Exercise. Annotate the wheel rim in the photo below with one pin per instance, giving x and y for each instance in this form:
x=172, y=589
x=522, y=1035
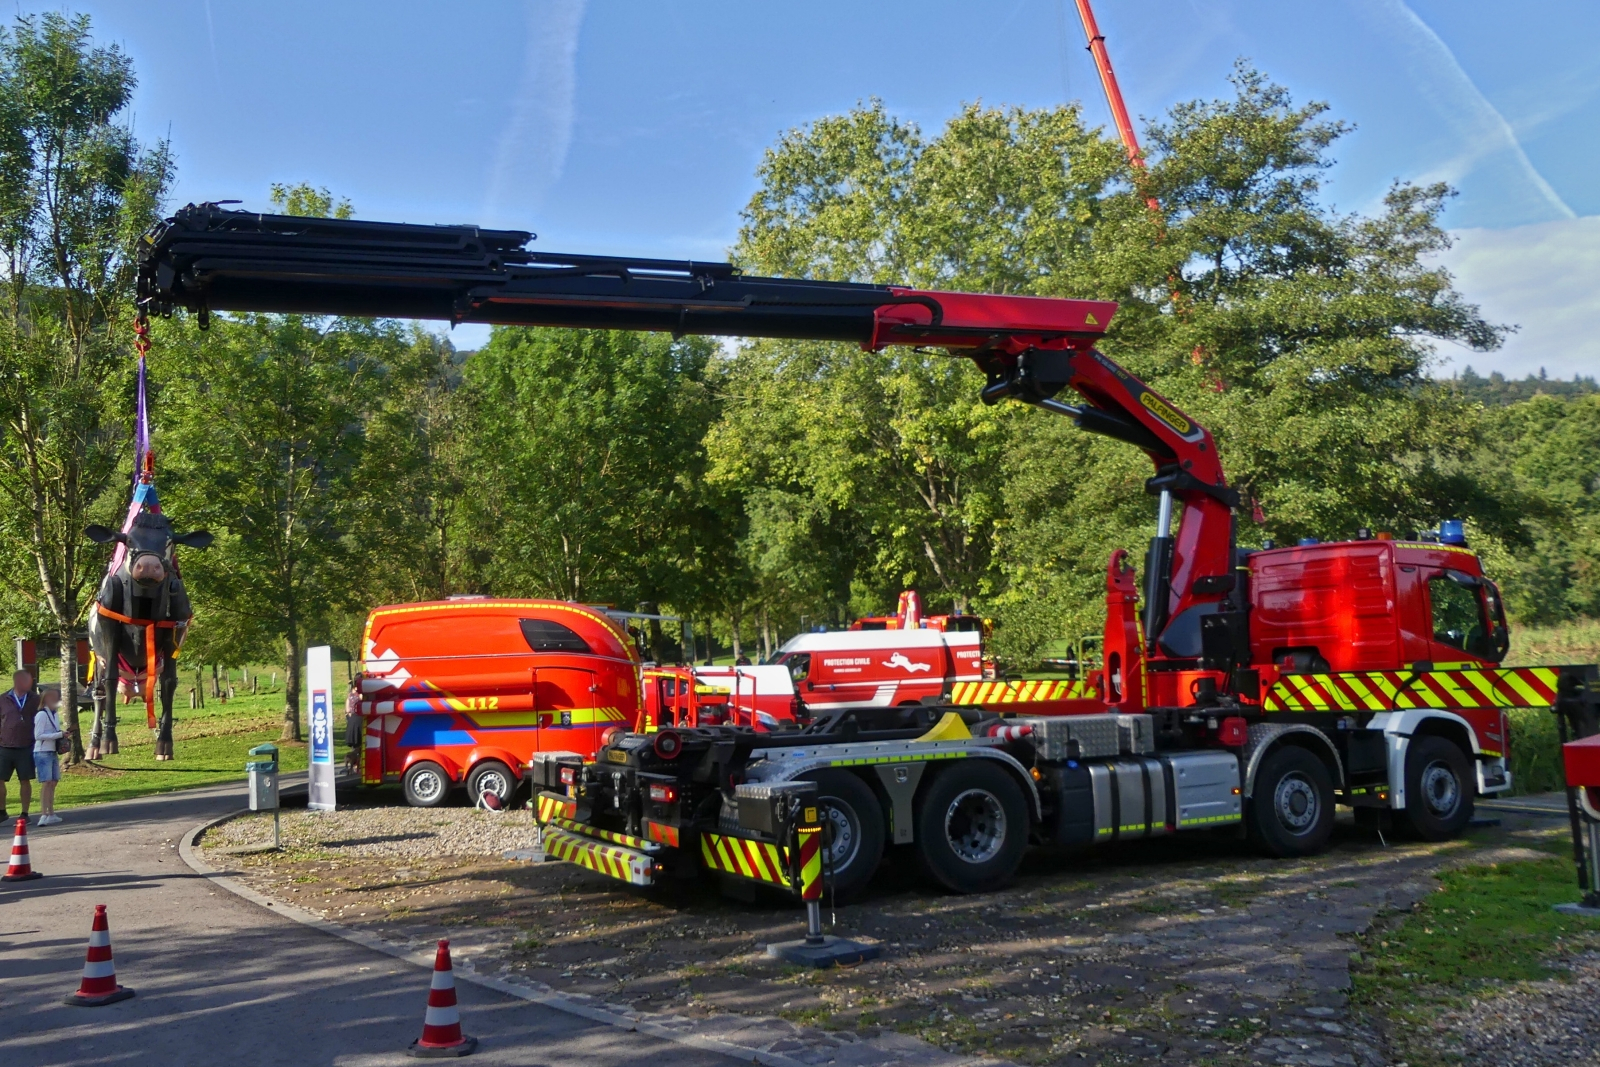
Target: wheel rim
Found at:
x=1295, y=801
x=843, y=838
x=494, y=782
x=975, y=825
x=427, y=785
x=1441, y=791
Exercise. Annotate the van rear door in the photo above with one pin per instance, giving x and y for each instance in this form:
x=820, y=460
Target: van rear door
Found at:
x=565, y=699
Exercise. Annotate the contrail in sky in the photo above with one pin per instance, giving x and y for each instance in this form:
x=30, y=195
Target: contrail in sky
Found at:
x=1461, y=100
x=533, y=149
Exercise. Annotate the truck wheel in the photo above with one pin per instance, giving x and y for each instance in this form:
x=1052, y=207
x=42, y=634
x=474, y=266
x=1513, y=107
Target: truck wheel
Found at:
x=972, y=827
x=426, y=784
x=1291, y=806
x=494, y=777
x=852, y=830
x=1439, y=788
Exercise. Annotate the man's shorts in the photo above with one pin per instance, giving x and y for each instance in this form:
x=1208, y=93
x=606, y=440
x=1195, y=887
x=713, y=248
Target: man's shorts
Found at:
x=47, y=765
x=18, y=761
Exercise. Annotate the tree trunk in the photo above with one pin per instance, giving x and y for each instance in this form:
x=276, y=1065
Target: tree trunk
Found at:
x=766, y=635
x=291, y=688
x=216, y=683
x=69, y=695
x=737, y=620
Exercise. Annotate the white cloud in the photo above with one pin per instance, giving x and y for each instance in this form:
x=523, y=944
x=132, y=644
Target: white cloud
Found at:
x=1541, y=278
x=533, y=149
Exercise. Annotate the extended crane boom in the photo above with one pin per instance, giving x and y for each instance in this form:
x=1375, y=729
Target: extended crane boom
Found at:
x=208, y=258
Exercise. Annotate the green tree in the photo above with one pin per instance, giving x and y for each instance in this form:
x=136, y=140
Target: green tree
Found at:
x=1546, y=449
x=587, y=467
x=76, y=191
x=887, y=460
x=264, y=435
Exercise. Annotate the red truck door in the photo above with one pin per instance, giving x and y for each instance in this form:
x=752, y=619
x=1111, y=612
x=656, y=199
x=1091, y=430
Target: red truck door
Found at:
x=564, y=697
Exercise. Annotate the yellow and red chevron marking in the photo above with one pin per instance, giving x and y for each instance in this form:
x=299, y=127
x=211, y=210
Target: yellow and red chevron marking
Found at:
x=810, y=863
x=552, y=806
x=1023, y=692
x=615, y=838
x=661, y=833
x=1496, y=687
x=609, y=860
x=756, y=860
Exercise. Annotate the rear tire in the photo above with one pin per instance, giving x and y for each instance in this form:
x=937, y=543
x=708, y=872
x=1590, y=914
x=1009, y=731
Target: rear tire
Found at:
x=852, y=829
x=426, y=784
x=1439, y=788
x=972, y=827
x=496, y=778
x=1291, y=805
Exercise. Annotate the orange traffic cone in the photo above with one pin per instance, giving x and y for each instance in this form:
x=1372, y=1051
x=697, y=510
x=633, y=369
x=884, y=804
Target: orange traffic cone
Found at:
x=20, y=870
x=441, y=1026
x=99, y=985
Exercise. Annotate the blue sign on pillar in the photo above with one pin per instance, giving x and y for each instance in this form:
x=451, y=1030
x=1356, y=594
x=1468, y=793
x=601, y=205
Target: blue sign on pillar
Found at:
x=319, y=724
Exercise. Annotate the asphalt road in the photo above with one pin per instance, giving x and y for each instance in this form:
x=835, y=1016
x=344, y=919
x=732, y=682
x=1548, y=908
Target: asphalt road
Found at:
x=223, y=981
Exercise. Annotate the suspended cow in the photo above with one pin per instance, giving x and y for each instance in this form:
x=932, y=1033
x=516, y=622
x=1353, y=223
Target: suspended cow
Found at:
x=139, y=619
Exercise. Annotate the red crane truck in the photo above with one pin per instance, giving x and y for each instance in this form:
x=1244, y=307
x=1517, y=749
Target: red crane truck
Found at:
x=1252, y=690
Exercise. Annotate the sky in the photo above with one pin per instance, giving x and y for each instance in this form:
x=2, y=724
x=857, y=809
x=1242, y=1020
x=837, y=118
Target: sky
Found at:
x=631, y=128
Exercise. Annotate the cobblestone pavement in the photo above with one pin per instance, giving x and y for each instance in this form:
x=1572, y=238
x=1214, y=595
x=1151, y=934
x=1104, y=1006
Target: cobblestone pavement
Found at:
x=1170, y=952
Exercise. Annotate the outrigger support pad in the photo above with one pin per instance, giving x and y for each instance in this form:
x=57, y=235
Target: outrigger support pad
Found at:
x=818, y=949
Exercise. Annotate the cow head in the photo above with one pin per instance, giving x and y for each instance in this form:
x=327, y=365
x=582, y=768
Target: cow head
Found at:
x=150, y=542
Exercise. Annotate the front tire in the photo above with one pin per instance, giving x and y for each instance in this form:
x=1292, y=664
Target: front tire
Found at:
x=1439, y=788
x=492, y=776
x=426, y=784
x=852, y=828
x=1291, y=805
x=972, y=827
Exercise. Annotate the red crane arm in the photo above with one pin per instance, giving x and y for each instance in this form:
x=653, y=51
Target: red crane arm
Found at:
x=209, y=258
x=1108, y=82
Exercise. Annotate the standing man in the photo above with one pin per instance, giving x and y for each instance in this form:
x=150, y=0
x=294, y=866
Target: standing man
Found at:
x=17, y=709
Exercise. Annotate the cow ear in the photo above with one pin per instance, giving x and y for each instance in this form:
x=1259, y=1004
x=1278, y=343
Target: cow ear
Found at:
x=195, y=539
x=102, y=534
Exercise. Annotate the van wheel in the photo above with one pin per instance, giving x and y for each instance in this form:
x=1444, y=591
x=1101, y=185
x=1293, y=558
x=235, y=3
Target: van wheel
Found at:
x=1291, y=805
x=494, y=777
x=972, y=827
x=426, y=784
x=1439, y=788
x=852, y=830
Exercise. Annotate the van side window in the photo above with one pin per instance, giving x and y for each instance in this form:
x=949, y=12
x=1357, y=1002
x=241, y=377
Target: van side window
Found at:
x=799, y=664
x=543, y=635
x=1458, y=616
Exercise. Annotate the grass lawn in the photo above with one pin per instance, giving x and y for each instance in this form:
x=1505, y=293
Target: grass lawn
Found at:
x=1489, y=926
x=211, y=745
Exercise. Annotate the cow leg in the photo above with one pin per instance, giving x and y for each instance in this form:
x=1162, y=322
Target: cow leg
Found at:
x=104, y=741
x=169, y=685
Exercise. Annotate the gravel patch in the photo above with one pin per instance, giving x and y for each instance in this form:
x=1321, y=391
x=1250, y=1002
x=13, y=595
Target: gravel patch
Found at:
x=383, y=832
x=1553, y=1023
x=1185, y=951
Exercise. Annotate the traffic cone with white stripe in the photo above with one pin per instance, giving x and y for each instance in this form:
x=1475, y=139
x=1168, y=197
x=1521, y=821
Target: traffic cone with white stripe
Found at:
x=441, y=1026
x=99, y=985
x=20, y=870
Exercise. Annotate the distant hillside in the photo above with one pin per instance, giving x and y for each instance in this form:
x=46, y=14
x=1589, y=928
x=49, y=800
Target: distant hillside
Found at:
x=1498, y=390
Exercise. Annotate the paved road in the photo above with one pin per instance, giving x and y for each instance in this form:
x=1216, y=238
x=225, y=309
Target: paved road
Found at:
x=222, y=981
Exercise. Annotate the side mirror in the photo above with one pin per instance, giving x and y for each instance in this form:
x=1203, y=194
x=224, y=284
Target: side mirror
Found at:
x=195, y=539
x=102, y=534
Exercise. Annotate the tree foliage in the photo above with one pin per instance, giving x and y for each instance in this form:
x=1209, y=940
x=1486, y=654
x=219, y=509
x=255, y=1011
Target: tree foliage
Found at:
x=76, y=190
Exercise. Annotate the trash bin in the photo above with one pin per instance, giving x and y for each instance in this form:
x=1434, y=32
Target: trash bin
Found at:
x=263, y=773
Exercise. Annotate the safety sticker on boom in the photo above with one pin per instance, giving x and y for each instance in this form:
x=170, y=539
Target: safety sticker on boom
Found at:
x=1024, y=692
x=1513, y=687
